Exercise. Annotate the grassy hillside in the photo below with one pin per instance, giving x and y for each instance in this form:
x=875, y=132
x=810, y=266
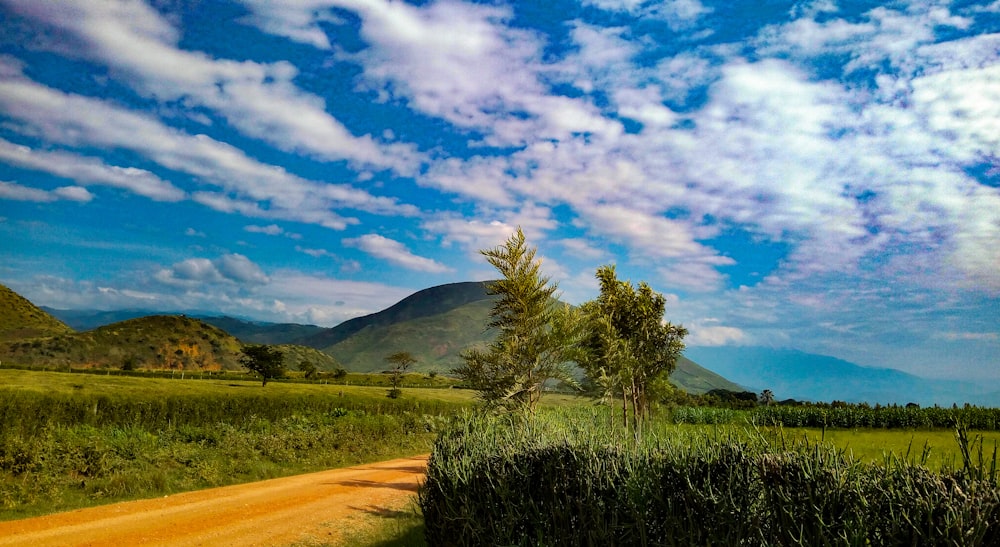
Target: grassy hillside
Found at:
x=435, y=340
x=696, y=379
x=426, y=303
x=252, y=332
x=159, y=341
x=19, y=318
x=294, y=355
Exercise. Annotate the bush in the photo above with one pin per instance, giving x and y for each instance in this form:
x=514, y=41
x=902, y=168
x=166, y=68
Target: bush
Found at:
x=570, y=480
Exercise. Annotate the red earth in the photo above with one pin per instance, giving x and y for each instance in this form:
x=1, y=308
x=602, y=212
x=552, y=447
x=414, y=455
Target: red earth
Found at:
x=315, y=509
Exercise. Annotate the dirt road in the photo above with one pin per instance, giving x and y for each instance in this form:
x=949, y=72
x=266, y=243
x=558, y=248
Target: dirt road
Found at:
x=318, y=508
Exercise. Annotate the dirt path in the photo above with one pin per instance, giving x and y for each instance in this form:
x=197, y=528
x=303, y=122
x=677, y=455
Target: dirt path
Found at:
x=306, y=509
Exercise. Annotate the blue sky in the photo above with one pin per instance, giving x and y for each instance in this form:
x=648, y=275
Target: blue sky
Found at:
x=815, y=175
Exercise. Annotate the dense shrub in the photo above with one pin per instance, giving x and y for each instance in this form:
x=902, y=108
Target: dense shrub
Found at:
x=570, y=480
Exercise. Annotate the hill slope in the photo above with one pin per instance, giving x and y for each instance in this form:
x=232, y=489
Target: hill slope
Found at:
x=253, y=332
x=436, y=324
x=19, y=318
x=159, y=341
x=426, y=303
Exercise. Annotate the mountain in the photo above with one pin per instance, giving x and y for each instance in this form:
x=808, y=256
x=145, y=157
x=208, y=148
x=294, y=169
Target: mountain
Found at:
x=426, y=303
x=250, y=332
x=805, y=376
x=254, y=332
x=158, y=341
x=82, y=320
x=19, y=318
x=436, y=324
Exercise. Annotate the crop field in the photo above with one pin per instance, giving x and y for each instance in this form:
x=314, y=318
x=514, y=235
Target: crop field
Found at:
x=591, y=484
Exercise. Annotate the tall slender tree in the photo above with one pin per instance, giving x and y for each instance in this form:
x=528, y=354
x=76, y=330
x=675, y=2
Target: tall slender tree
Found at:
x=628, y=349
x=534, y=333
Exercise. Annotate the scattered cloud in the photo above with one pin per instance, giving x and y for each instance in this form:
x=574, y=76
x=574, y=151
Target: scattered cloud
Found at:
x=17, y=192
x=394, y=252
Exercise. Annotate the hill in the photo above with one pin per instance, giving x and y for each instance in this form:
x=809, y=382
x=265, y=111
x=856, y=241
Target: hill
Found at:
x=255, y=332
x=794, y=374
x=426, y=303
x=19, y=318
x=159, y=341
x=436, y=324
x=82, y=320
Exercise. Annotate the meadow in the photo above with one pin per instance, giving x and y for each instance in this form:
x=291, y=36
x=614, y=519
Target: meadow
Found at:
x=70, y=440
x=73, y=440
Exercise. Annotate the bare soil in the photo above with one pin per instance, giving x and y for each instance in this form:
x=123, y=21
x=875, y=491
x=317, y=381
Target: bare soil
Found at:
x=317, y=508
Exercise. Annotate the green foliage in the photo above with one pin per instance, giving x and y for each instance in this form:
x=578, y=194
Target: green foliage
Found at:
x=846, y=416
x=561, y=480
x=400, y=361
x=68, y=441
x=533, y=333
x=628, y=349
x=20, y=319
x=158, y=342
x=264, y=360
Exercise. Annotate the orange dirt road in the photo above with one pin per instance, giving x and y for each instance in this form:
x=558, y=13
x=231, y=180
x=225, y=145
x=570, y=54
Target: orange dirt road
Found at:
x=318, y=508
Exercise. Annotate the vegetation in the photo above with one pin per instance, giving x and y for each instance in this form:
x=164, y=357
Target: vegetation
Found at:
x=19, y=318
x=71, y=440
x=561, y=480
x=533, y=334
x=159, y=341
x=265, y=361
x=628, y=349
x=400, y=361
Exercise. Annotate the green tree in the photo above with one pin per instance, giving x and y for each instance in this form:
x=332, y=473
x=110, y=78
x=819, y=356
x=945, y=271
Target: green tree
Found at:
x=263, y=360
x=310, y=371
x=401, y=360
x=628, y=349
x=534, y=334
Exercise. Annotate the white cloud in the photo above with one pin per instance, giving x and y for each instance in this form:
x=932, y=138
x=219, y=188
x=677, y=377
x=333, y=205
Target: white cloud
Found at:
x=259, y=99
x=17, y=192
x=81, y=121
x=394, y=252
x=90, y=170
x=714, y=335
x=271, y=229
x=197, y=272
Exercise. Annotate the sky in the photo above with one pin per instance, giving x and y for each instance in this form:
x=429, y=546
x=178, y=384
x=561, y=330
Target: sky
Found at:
x=817, y=175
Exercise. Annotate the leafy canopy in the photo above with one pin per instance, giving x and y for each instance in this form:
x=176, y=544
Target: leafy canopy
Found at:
x=628, y=348
x=264, y=360
x=534, y=332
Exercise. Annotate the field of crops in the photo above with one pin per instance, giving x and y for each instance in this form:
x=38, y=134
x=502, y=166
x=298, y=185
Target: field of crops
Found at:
x=71, y=440
x=568, y=478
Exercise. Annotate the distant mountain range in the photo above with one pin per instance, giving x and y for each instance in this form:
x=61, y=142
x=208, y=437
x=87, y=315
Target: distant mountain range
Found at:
x=805, y=376
x=434, y=325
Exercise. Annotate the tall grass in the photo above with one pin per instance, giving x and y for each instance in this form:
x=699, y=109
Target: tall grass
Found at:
x=566, y=479
x=849, y=416
x=65, y=444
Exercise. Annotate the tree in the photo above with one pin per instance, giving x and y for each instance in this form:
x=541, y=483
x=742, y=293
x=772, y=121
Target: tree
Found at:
x=534, y=334
x=767, y=397
x=264, y=360
x=401, y=360
x=628, y=349
x=310, y=371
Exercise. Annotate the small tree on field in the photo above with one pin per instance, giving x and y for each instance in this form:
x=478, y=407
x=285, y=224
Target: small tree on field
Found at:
x=401, y=360
x=534, y=338
x=263, y=360
x=309, y=370
x=628, y=349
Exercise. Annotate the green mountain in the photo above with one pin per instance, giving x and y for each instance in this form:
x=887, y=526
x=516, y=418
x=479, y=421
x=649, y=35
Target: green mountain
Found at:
x=426, y=303
x=436, y=324
x=254, y=332
x=158, y=341
x=19, y=318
